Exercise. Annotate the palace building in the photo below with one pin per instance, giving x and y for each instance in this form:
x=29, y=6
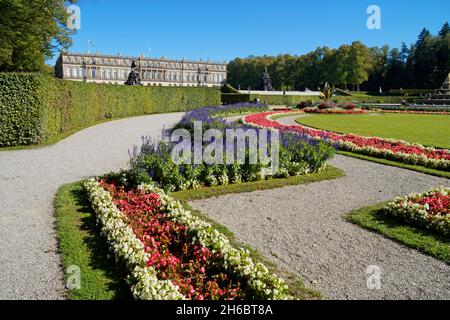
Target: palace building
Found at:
x=164, y=72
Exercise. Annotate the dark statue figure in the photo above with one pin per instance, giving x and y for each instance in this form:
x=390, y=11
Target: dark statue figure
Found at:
x=133, y=77
x=267, y=82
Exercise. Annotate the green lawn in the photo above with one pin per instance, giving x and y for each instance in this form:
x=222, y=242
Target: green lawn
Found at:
x=425, y=241
x=80, y=242
x=428, y=130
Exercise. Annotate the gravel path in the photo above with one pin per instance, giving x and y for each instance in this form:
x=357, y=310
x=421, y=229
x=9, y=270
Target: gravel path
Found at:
x=302, y=228
x=29, y=260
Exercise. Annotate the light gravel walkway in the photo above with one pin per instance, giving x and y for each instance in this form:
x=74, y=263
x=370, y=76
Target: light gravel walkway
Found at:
x=302, y=228
x=29, y=261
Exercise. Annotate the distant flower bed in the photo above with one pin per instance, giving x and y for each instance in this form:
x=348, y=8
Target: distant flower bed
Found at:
x=213, y=116
x=334, y=111
x=171, y=254
x=429, y=210
x=373, y=146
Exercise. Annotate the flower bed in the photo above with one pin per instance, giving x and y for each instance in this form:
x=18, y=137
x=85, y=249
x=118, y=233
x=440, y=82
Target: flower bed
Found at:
x=373, y=146
x=334, y=111
x=153, y=163
x=429, y=210
x=171, y=254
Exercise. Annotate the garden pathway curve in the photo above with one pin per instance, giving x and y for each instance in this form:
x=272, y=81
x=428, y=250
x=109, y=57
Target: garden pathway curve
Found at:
x=29, y=259
x=302, y=228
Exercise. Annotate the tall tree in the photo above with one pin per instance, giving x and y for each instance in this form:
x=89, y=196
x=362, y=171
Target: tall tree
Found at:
x=442, y=49
x=361, y=65
x=424, y=59
x=445, y=30
x=30, y=33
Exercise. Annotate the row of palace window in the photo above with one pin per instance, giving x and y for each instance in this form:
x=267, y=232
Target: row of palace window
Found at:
x=73, y=72
x=154, y=64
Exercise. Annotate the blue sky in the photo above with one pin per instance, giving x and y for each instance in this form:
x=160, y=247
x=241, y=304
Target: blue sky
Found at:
x=225, y=29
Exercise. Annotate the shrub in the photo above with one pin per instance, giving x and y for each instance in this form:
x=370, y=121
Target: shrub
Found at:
x=35, y=108
x=347, y=106
x=304, y=104
x=327, y=105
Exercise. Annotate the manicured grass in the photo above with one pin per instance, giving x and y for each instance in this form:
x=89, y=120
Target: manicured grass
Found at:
x=433, y=172
x=422, y=240
x=425, y=129
x=80, y=242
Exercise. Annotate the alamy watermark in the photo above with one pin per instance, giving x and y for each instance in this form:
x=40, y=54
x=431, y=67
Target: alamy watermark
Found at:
x=74, y=278
x=230, y=146
x=374, y=19
x=74, y=17
x=374, y=274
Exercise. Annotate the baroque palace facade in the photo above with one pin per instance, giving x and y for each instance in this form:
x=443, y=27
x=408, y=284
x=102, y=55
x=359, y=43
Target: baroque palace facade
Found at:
x=115, y=69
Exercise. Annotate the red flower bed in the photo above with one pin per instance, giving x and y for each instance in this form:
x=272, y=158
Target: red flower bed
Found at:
x=196, y=270
x=335, y=111
x=438, y=203
x=261, y=120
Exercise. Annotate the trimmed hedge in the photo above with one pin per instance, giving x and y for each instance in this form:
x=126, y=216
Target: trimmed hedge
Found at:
x=233, y=98
x=35, y=107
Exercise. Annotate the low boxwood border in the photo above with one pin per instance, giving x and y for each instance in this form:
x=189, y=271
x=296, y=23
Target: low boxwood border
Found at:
x=427, y=242
x=80, y=242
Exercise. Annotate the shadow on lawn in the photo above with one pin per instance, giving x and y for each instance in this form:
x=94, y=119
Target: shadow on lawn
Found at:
x=100, y=257
x=392, y=222
x=428, y=242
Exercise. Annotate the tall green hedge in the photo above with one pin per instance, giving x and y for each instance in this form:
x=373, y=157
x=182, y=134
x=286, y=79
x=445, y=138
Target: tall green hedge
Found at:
x=35, y=108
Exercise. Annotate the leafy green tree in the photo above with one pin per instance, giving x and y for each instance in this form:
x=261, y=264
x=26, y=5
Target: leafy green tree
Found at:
x=361, y=64
x=424, y=64
x=31, y=31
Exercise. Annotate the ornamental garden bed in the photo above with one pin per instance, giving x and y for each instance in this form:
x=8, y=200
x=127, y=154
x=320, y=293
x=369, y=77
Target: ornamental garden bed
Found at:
x=82, y=244
x=171, y=254
x=167, y=252
x=420, y=221
x=389, y=149
x=429, y=210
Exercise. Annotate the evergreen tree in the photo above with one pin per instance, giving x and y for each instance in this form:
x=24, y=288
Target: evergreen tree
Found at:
x=445, y=30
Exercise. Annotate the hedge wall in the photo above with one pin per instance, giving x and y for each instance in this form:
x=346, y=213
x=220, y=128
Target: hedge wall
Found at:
x=35, y=108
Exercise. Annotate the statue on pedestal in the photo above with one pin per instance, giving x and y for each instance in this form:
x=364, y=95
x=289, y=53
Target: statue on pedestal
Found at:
x=133, y=77
x=267, y=82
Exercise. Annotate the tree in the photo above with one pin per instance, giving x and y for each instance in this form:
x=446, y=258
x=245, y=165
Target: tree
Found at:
x=395, y=70
x=361, y=64
x=424, y=64
x=31, y=31
x=442, y=50
x=445, y=30
x=424, y=59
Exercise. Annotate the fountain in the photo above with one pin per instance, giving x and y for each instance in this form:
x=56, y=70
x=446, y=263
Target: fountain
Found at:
x=437, y=98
